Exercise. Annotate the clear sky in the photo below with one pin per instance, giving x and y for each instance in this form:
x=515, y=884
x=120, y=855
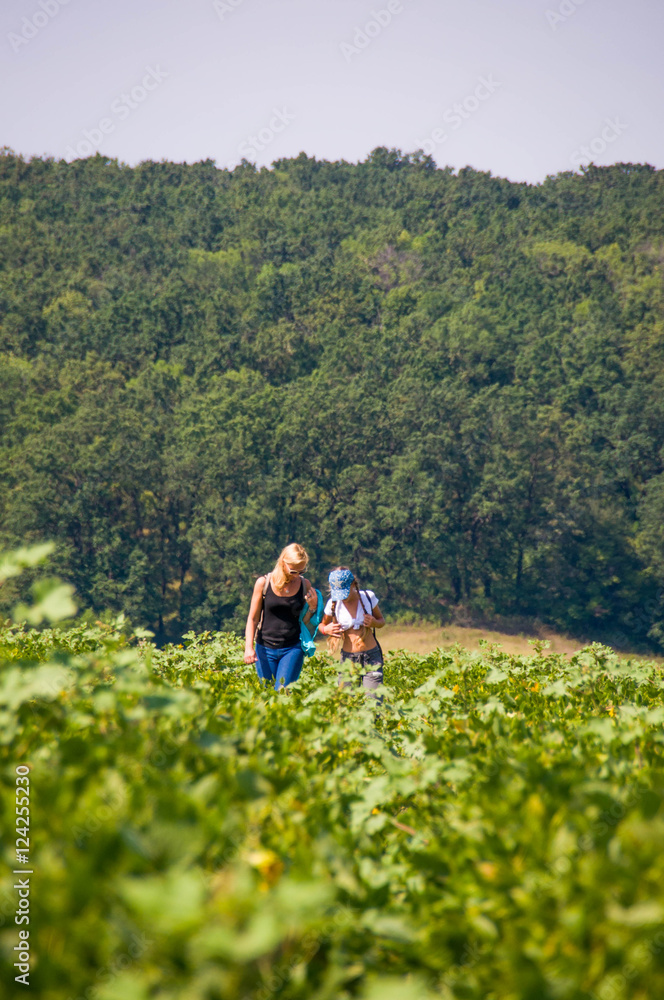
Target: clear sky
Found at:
x=523, y=88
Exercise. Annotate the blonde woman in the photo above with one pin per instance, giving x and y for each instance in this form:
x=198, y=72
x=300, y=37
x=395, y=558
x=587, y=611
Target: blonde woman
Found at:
x=353, y=613
x=273, y=623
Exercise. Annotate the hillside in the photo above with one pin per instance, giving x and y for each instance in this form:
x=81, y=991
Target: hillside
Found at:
x=450, y=381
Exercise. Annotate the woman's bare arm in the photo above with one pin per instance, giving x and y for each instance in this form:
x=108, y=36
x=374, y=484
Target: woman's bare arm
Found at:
x=311, y=598
x=330, y=627
x=253, y=619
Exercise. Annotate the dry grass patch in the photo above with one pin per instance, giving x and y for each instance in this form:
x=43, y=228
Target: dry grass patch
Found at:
x=424, y=639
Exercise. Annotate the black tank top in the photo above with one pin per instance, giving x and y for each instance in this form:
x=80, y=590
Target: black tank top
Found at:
x=281, y=619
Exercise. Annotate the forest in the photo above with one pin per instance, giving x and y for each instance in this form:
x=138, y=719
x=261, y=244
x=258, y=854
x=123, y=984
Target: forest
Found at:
x=452, y=382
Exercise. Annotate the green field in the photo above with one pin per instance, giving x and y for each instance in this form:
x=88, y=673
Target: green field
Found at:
x=492, y=830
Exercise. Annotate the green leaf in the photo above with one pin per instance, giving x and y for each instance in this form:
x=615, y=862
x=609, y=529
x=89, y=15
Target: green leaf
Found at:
x=558, y=689
x=388, y=926
x=43, y=683
x=54, y=601
x=13, y=563
x=603, y=728
x=130, y=985
x=169, y=902
x=496, y=675
x=645, y=914
x=397, y=988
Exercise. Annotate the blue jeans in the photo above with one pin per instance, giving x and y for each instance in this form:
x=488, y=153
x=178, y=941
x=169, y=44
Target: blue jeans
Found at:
x=283, y=666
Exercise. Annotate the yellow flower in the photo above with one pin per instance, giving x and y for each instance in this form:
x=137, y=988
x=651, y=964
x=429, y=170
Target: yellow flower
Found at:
x=267, y=863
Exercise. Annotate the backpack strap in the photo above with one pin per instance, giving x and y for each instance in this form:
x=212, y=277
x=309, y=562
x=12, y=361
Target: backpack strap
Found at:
x=265, y=586
x=365, y=610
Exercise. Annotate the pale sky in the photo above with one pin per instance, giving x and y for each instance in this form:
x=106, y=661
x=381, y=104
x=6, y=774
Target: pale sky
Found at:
x=522, y=88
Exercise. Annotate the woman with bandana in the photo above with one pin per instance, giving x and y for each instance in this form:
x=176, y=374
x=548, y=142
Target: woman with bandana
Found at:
x=352, y=614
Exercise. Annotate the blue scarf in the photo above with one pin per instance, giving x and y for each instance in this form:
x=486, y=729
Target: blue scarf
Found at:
x=308, y=631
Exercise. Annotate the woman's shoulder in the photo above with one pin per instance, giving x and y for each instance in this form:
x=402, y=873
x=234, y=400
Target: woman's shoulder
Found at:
x=371, y=596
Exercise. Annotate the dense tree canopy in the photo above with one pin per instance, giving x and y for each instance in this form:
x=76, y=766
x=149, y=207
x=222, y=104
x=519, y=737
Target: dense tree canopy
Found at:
x=452, y=382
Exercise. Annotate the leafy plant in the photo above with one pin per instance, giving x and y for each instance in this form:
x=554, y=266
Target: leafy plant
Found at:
x=491, y=829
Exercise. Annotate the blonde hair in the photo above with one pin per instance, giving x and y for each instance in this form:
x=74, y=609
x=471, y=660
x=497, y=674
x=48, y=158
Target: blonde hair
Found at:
x=293, y=553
